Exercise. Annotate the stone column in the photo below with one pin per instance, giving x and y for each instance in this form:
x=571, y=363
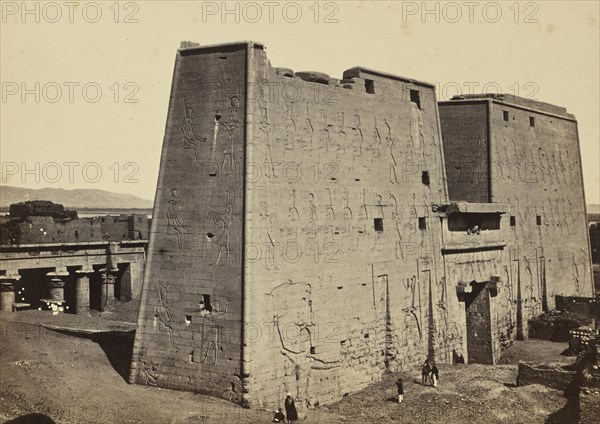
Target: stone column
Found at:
x=107, y=288
x=7, y=292
x=56, y=289
x=56, y=285
x=82, y=291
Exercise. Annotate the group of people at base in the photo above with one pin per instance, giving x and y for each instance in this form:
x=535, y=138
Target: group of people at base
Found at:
x=291, y=414
x=429, y=375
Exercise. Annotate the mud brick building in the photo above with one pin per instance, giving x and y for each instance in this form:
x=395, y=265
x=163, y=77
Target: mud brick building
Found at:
x=307, y=233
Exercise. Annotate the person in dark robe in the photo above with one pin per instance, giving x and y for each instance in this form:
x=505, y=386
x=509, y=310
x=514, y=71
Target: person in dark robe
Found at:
x=290, y=409
x=425, y=372
x=279, y=417
x=400, y=387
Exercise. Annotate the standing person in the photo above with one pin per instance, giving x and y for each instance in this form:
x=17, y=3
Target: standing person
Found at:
x=290, y=409
x=425, y=372
x=400, y=390
x=435, y=375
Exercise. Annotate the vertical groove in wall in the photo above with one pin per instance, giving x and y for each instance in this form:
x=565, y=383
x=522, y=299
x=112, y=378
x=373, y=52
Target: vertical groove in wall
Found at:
x=489, y=150
x=247, y=134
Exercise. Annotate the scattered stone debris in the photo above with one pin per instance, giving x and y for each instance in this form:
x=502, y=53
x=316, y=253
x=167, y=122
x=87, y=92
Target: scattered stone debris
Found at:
x=556, y=325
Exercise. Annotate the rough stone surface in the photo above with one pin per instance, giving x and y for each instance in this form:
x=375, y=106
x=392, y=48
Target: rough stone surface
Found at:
x=526, y=155
x=554, y=375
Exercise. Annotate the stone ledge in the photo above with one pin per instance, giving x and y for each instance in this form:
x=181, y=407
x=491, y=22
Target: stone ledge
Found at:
x=550, y=374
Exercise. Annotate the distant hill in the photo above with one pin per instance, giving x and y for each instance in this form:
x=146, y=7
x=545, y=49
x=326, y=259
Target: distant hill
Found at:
x=74, y=199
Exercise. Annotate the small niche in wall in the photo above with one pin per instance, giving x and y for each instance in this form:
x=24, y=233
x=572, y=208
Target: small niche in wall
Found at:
x=505, y=115
x=415, y=97
x=538, y=220
x=205, y=303
x=513, y=221
x=532, y=121
x=366, y=335
x=313, y=350
x=370, y=86
x=188, y=319
x=422, y=223
x=425, y=177
x=378, y=224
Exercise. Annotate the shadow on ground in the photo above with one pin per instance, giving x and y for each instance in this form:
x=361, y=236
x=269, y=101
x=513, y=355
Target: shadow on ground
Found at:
x=117, y=345
x=570, y=412
x=32, y=419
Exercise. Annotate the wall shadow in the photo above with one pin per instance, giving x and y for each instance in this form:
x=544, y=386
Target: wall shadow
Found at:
x=117, y=345
x=569, y=414
x=32, y=419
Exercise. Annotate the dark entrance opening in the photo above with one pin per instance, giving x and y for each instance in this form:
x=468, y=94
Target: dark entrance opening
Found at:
x=480, y=343
x=123, y=283
x=33, y=286
x=96, y=287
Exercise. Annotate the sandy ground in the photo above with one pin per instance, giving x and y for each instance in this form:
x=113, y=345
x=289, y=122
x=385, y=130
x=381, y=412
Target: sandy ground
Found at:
x=80, y=377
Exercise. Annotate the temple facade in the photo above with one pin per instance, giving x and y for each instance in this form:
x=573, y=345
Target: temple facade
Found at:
x=310, y=233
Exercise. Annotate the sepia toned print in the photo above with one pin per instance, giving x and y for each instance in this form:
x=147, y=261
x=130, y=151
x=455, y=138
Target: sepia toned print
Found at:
x=289, y=211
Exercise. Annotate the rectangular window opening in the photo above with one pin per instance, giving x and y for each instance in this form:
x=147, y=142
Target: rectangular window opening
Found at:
x=370, y=86
x=505, y=115
x=422, y=223
x=415, y=97
x=313, y=350
x=513, y=221
x=531, y=121
x=205, y=303
x=378, y=224
x=538, y=220
x=425, y=177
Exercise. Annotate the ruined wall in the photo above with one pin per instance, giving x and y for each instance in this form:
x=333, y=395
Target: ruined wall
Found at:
x=338, y=272
x=189, y=327
x=46, y=229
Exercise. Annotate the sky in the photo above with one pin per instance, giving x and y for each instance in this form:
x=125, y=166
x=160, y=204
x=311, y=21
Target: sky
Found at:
x=85, y=85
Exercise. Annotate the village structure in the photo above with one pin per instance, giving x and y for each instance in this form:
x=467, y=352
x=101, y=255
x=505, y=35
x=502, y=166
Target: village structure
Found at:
x=310, y=233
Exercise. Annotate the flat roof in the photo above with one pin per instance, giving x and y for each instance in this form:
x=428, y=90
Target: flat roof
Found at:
x=355, y=71
x=189, y=47
x=512, y=101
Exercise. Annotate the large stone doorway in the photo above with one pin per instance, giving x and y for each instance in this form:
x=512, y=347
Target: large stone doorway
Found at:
x=482, y=346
